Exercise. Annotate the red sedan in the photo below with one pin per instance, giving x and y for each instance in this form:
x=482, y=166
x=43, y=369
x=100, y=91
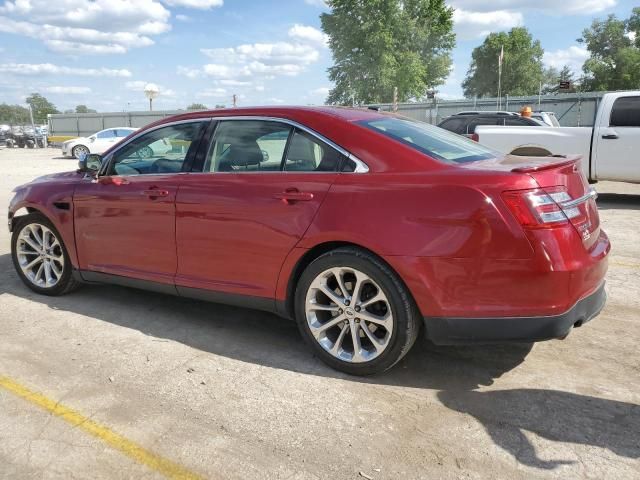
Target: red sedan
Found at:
x=361, y=226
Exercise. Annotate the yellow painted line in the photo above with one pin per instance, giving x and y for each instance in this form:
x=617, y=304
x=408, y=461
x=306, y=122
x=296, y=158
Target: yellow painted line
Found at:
x=624, y=264
x=108, y=436
x=59, y=138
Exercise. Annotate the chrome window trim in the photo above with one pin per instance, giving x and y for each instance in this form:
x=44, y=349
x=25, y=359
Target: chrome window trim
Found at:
x=361, y=167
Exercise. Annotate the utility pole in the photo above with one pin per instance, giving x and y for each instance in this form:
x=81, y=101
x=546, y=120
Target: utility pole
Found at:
x=33, y=127
x=395, y=99
x=235, y=100
x=500, y=60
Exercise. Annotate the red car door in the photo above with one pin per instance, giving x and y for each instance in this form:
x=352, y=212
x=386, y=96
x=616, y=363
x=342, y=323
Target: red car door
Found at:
x=125, y=221
x=238, y=219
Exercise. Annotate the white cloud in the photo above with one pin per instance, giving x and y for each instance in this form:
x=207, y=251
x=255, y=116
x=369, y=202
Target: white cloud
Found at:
x=320, y=92
x=183, y=18
x=263, y=61
x=213, y=93
x=200, y=4
x=274, y=100
x=235, y=83
x=316, y=3
x=584, y=7
x=189, y=72
x=469, y=24
x=307, y=34
x=574, y=57
x=84, y=26
x=50, y=69
x=68, y=90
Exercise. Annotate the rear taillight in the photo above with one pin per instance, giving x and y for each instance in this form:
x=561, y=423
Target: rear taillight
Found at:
x=538, y=208
x=475, y=137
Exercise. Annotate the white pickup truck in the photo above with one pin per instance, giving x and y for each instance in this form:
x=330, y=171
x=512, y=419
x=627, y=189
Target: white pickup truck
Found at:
x=610, y=150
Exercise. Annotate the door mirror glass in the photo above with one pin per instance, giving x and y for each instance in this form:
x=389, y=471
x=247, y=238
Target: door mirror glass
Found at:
x=90, y=163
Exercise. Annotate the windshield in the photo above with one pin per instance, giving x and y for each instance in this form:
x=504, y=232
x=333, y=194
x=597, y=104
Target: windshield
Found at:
x=433, y=141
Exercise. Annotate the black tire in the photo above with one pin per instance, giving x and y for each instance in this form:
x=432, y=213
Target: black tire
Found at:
x=407, y=318
x=67, y=283
x=74, y=150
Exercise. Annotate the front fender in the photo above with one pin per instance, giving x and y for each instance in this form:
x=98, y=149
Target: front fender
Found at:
x=55, y=204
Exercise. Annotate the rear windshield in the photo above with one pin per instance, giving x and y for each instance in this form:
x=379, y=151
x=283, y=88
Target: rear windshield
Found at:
x=434, y=141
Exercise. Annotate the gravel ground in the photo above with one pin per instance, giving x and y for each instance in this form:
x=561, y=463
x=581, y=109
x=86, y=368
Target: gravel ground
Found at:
x=233, y=393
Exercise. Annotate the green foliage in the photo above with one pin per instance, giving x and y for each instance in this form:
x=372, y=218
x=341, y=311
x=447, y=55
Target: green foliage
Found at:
x=197, y=106
x=522, y=69
x=381, y=44
x=614, y=63
x=41, y=107
x=551, y=79
x=84, y=109
x=14, y=114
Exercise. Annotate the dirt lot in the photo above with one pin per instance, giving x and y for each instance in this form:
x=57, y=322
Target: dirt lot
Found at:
x=231, y=393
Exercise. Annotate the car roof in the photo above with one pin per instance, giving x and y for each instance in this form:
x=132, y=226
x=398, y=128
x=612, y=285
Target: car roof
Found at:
x=349, y=114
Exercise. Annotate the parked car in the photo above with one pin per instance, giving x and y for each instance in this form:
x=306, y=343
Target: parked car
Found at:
x=465, y=123
x=609, y=149
x=361, y=226
x=548, y=118
x=98, y=143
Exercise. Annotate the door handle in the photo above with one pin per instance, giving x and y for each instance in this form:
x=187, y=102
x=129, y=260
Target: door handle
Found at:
x=610, y=136
x=155, y=193
x=292, y=196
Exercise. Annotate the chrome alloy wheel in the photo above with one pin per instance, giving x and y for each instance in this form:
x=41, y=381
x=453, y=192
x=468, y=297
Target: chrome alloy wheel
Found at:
x=40, y=255
x=349, y=315
x=79, y=150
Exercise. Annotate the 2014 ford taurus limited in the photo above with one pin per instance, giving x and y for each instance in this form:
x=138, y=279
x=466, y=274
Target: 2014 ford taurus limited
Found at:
x=361, y=226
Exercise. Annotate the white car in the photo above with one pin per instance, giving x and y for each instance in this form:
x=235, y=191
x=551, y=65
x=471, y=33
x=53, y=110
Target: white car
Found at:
x=97, y=143
x=101, y=141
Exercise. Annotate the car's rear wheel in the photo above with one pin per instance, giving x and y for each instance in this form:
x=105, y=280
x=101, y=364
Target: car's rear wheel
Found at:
x=355, y=312
x=79, y=150
x=40, y=257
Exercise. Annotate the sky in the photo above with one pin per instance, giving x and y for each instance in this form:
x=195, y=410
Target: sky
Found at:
x=102, y=53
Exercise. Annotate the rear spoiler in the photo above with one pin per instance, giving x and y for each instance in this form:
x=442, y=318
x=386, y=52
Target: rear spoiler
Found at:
x=537, y=164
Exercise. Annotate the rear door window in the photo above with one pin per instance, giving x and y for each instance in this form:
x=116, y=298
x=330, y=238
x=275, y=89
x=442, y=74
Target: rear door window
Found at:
x=432, y=141
x=625, y=112
x=242, y=146
x=454, y=124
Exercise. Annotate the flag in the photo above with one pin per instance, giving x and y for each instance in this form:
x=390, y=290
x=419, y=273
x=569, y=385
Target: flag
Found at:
x=501, y=57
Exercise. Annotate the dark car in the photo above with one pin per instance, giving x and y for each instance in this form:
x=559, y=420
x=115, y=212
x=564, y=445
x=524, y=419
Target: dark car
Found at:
x=465, y=123
x=359, y=225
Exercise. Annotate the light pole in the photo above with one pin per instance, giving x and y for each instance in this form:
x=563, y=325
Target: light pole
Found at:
x=151, y=91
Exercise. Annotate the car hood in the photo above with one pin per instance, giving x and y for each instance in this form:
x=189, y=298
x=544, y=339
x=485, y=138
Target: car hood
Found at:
x=76, y=140
x=54, y=178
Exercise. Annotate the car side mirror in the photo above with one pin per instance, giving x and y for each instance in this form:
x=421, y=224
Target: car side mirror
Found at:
x=89, y=163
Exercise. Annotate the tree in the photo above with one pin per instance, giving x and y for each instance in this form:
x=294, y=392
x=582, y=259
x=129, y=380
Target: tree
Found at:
x=14, y=114
x=84, y=109
x=522, y=69
x=197, y=106
x=41, y=107
x=614, y=46
x=551, y=79
x=378, y=45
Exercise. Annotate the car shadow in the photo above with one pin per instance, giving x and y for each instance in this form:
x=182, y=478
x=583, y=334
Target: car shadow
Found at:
x=456, y=373
x=618, y=201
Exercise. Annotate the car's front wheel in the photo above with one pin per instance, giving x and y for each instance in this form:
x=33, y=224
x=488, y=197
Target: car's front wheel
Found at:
x=79, y=150
x=355, y=312
x=40, y=257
